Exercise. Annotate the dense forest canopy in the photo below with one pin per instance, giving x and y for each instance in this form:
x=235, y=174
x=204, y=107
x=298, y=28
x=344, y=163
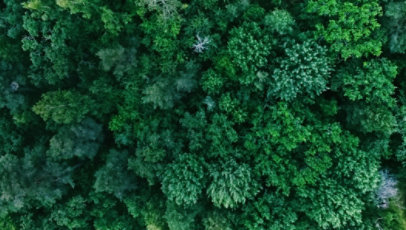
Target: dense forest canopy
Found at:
x=202, y=114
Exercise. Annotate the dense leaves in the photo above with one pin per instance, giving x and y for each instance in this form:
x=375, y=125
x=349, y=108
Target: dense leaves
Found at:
x=304, y=71
x=184, y=180
x=352, y=27
x=62, y=107
x=202, y=114
x=395, y=23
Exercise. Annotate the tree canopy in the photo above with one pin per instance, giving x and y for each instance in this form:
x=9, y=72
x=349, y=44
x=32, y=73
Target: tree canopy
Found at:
x=202, y=114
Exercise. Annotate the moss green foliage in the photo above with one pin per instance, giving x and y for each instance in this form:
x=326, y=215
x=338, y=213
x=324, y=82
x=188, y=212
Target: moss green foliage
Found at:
x=202, y=114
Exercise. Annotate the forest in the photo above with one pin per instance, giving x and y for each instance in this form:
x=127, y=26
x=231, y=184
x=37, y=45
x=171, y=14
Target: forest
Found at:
x=203, y=115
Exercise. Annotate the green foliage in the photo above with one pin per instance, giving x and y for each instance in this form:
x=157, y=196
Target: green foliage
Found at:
x=52, y=40
x=183, y=181
x=222, y=135
x=393, y=217
x=80, y=140
x=395, y=23
x=63, y=107
x=160, y=95
x=76, y=6
x=212, y=81
x=6, y=224
x=352, y=26
x=370, y=86
x=117, y=59
x=31, y=180
x=166, y=9
x=232, y=107
x=108, y=214
x=275, y=141
x=201, y=114
x=370, y=81
x=232, y=184
x=249, y=48
x=304, y=70
x=334, y=206
x=10, y=139
x=370, y=118
x=270, y=211
x=401, y=148
x=114, y=22
x=12, y=85
x=165, y=91
x=337, y=203
x=177, y=218
x=279, y=21
x=111, y=178
x=216, y=221
x=72, y=214
x=194, y=127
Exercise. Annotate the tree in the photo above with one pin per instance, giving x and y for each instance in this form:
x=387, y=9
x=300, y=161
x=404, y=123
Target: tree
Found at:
x=270, y=211
x=370, y=81
x=370, y=86
x=232, y=184
x=216, y=221
x=72, y=214
x=109, y=214
x=31, y=181
x=352, y=28
x=249, y=48
x=6, y=224
x=117, y=59
x=63, y=106
x=279, y=21
x=304, y=71
x=183, y=181
x=179, y=218
x=340, y=207
x=10, y=138
x=395, y=23
x=202, y=114
x=79, y=140
x=111, y=179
